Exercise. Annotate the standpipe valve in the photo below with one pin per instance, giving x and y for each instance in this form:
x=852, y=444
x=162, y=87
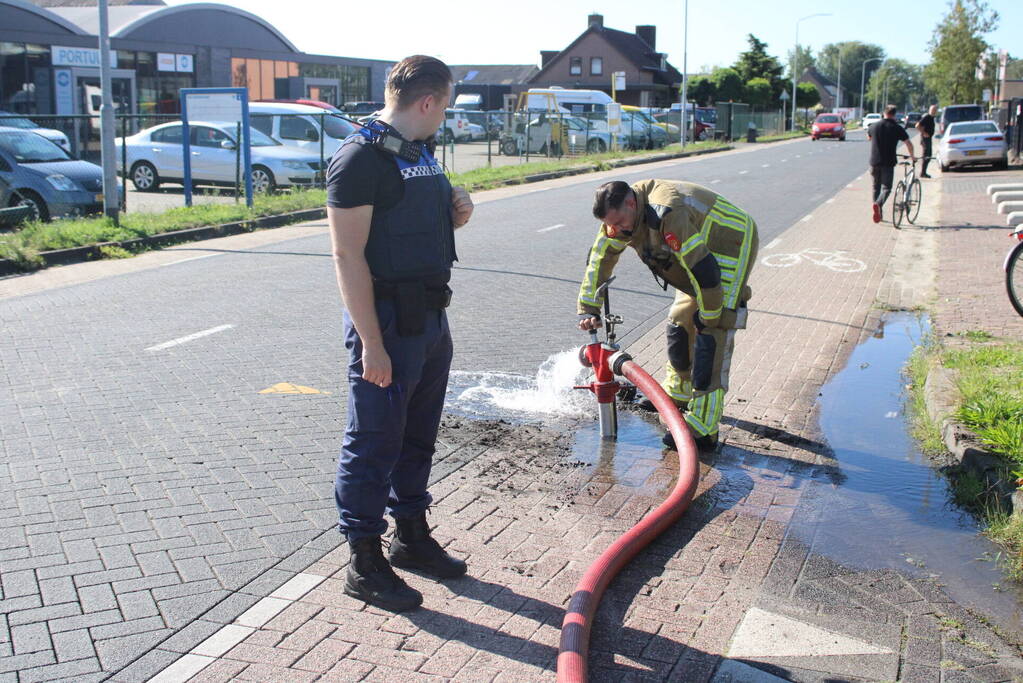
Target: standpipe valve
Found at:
x=597, y=355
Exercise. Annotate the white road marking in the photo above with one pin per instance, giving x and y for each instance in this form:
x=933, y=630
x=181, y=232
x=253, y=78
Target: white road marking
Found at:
x=891, y=415
x=830, y=200
x=190, y=337
x=773, y=243
x=553, y=227
x=741, y=172
x=764, y=165
x=807, y=217
x=186, y=260
x=715, y=181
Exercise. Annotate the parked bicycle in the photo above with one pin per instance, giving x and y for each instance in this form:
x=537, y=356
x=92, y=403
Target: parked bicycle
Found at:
x=1014, y=271
x=908, y=194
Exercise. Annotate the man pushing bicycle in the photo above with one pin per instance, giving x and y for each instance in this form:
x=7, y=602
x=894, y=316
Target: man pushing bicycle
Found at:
x=884, y=137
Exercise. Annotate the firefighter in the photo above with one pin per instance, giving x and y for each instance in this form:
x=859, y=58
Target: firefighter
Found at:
x=704, y=247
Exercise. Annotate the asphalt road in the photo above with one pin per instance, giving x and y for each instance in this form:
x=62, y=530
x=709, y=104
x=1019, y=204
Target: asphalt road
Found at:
x=145, y=477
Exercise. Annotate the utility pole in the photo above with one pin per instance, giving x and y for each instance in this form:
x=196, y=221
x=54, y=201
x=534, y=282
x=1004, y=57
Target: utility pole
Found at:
x=795, y=62
x=684, y=118
x=838, y=90
x=863, y=73
x=111, y=198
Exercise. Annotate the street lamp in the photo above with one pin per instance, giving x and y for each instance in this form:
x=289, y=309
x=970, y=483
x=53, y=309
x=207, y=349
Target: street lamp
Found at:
x=863, y=71
x=683, y=119
x=795, y=61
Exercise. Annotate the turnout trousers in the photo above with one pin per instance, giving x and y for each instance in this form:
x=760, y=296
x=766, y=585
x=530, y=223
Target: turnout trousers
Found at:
x=390, y=438
x=699, y=362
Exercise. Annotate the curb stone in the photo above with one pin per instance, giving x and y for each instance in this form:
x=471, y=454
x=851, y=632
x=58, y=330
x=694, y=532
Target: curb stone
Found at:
x=92, y=252
x=968, y=451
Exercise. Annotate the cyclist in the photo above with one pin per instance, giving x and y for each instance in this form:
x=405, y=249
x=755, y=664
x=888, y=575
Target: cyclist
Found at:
x=884, y=137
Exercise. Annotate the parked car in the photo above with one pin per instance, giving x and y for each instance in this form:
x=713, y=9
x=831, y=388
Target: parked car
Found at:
x=298, y=125
x=828, y=126
x=958, y=112
x=869, y=119
x=13, y=212
x=656, y=132
x=455, y=127
x=46, y=178
x=913, y=118
x=51, y=134
x=358, y=109
x=476, y=132
x=582, y=137
x=967, y=143
x=155, y=156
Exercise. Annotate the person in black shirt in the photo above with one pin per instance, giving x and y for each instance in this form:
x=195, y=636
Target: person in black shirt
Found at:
x=392, y=216
x=926, y=127
x=884, y=137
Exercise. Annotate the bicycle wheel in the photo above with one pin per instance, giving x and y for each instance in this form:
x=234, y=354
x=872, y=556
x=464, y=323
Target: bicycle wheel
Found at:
x=898, y=203
x=913, y=200
x=1014, y=277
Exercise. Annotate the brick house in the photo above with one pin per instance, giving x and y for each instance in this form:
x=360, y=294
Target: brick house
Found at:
x=826, y=87
x=590, y=59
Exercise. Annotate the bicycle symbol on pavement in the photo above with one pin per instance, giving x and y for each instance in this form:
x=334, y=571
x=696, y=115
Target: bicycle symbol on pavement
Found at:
x=833, y=260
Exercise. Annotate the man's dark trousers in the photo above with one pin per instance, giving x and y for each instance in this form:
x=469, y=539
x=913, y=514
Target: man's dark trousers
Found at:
x=389, y=443
x=883, y=177
x=926, y=142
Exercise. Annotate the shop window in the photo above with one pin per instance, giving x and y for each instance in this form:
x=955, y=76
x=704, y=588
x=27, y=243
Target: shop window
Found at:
x=596, y=66
x=125, y=59
x=575, y=66
x=15, y=87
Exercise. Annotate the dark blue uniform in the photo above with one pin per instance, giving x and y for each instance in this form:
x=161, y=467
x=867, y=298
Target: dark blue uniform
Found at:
x=389, y=441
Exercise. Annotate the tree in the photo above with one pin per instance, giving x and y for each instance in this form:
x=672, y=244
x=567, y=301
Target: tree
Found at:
x=805, y=60
x=854, y=54
x=759, y=92
x=807, y=96
x=756, y=63
x=956, y=47
x=905, y=86
x=728, y=84
x=701, y=90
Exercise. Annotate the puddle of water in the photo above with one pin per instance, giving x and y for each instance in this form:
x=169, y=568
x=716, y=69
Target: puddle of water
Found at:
x=889, y=507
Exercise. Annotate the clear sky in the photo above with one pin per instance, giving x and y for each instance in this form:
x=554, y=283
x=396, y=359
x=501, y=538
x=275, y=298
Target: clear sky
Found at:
x=514, y=32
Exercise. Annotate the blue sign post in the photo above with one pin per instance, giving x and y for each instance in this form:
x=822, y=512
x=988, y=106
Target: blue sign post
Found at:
x=216, y=105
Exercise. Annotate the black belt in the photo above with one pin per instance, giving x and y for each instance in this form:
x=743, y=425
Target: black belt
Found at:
x=433, y=298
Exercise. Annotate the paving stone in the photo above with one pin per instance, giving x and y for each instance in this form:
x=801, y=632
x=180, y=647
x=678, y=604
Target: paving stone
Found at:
x=30, y=638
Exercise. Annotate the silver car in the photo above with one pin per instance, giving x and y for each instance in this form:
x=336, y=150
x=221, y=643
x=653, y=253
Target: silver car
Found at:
x=155, y=156
x=966, y=143
x=15, y=121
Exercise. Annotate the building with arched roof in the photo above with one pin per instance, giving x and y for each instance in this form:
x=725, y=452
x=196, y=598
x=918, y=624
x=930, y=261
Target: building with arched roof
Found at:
x=49, y=57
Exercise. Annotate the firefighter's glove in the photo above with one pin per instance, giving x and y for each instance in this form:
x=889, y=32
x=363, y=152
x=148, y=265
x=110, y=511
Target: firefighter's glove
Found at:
x=702, y=324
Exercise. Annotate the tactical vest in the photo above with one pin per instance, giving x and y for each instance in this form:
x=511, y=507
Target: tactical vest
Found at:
x=414, y=239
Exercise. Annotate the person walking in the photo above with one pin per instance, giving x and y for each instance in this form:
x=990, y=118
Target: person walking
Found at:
x=926, y=127
x=703, y=246
x=392, y=215
x=884, y=136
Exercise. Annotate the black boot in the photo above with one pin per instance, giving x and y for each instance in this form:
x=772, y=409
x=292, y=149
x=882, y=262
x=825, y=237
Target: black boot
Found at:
x=414, y=548
x=371, y=579
x=706, y=443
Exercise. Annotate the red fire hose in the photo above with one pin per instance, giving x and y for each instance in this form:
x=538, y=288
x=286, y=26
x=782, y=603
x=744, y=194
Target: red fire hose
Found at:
x=575, y=630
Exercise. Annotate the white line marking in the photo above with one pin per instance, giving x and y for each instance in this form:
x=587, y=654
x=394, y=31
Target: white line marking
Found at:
x=715, y=181
x=741, y=172
x=223, y=640
x=891, y=415
x=297, y=586
x=191, y=337
x=773, y=243
x=762, y=165
x=193, y=258
x=830, y=200
x=553, y=227
x=807, y=217
x=262, y=612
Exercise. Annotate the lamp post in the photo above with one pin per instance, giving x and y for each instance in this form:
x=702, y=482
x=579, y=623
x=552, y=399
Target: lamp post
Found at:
x=838, y=93
x=684, y=119
x=108, y=153
x=863, y=71
x=795, y=61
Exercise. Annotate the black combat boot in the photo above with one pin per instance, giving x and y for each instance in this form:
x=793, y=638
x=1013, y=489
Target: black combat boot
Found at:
x=707, y=443
x=414, y=548
x=371, y=579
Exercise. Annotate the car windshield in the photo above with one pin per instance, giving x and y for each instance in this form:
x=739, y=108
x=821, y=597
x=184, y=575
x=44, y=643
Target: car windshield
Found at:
x=827, y=119
x=973, y=128
x=29, y=148
x=337, y=127
x=16, y=122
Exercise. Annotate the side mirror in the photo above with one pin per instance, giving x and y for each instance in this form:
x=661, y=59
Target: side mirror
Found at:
x=227, y=144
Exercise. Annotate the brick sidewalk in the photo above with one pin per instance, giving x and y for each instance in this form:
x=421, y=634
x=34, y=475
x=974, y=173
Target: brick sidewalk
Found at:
x=672, y=613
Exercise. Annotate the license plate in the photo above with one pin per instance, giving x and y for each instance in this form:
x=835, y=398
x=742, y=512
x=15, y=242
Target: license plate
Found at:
x=975, y=153
x=99, y=197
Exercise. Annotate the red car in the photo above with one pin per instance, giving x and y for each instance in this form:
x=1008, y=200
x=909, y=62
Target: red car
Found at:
x=828, y=126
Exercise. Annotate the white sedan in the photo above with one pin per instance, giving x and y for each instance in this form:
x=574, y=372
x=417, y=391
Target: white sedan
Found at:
x=972, y=142
x=869, y=119
x=155, y=156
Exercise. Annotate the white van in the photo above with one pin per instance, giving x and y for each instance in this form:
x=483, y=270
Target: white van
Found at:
x=298, y=125
x=573, y=101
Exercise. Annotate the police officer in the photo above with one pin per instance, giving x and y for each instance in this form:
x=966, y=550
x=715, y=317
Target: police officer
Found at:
x=392, y=217
x=704, y=247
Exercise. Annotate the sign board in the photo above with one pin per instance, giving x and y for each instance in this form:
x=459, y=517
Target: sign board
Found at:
x=614, y=117
x=220, y=105
x=619, y=80
x=165, y=61
x=64, y=92
x=784, y=97
x=987, y=94
x=184, y=63
x=79, y=56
